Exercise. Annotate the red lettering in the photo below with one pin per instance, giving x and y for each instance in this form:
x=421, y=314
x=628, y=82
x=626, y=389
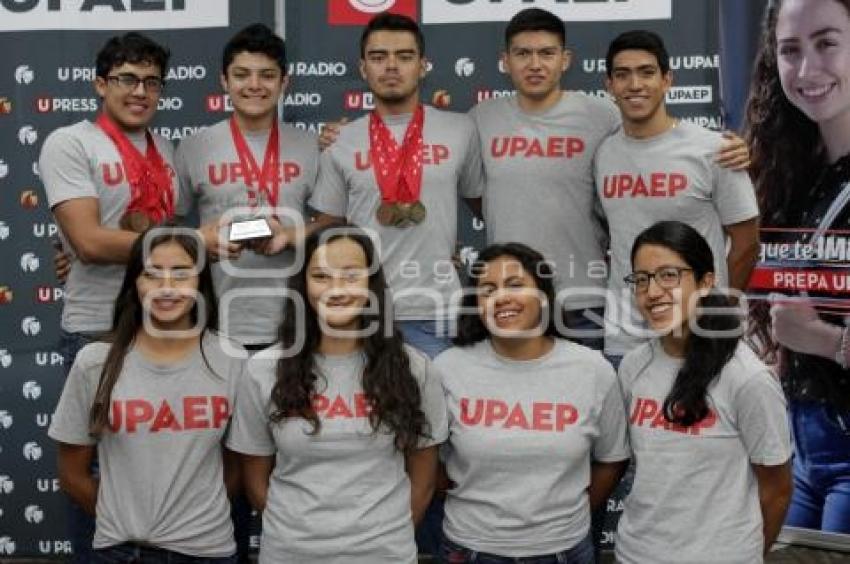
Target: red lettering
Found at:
x=541, y=415
x=475, y=418
x=647, y=411
x=609, y=186
x=117, y=416
x=165, y=419
x=636, y=410
x=137, y=411
x=516, y=418
x=575, y=146
x=678, y=182
x=499, y=147
x=565, y=414
x=320, y=403
x=440, y=152
x=220, y=411
x=535, y=149
x=110, y=177
x=339, y=409
x=518, y=145
x=640, y=188
x=221, y=177
x=496, y=410
x=624, y=185
x=657, y=182
x=361, y=406
x=291, y=171
x=554, y=146
x=193, y=413
x=361, y=162
x=659, y=421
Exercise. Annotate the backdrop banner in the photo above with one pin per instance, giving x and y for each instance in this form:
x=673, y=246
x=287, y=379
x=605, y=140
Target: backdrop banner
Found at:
x=46, y=75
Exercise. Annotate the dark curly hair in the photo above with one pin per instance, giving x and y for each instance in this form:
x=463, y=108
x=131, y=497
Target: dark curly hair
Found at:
x=785, y=148
x=391, y=390
x=471, y=328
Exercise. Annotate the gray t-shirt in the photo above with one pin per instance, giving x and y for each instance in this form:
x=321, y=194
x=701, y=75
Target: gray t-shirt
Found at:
x=161, y=471
x=341, y=496
x=211, y=178
x=671, y=176
x=417, y=260
x=695, y=496
x=80, y=161
x=521, y=438
x=539, y=186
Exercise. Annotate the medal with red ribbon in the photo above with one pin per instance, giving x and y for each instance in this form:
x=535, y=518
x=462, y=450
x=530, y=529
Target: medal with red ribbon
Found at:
x=398, y=170
x=268, y=178
x=151, y=195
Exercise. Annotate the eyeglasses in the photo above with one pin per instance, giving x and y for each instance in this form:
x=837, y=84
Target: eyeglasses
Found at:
x=130, y=82
x=667, y=277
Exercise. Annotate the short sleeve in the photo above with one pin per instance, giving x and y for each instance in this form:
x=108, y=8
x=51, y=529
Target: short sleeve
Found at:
x=65, y=169
x=187, y=200
x=70, y=422
x=471, y=181
x=734, y=196
x=330, y=194
x=250, y=431
x=762, y=420
x=611, y=445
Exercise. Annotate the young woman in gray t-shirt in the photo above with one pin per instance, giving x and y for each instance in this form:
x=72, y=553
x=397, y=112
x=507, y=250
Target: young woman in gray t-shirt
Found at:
x=154, y=400
x=707, y=421
x=338, y=423
x=537, y=428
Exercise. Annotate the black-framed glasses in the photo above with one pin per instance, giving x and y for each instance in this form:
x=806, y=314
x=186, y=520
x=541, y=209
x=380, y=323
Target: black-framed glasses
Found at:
x=130, y=82
x=667, y=277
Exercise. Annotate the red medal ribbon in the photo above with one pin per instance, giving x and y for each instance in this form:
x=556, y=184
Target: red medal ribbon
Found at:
x=398, y=170
x=268, y=178
x=147, y=175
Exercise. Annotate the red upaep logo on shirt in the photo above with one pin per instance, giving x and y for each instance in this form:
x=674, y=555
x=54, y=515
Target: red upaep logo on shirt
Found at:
x=359, y=12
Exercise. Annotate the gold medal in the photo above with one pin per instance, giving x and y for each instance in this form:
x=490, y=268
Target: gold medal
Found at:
x=135, y=221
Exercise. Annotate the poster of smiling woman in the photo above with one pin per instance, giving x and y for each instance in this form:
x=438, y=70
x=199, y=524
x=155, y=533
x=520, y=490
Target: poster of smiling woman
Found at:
x=799, y=133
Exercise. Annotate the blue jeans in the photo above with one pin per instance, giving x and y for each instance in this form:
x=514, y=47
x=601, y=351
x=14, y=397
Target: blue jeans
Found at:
x=129, y=553
x=579, y=328
x=422, y=334
x=453, y=553
x=80, y=523
x=821, y=498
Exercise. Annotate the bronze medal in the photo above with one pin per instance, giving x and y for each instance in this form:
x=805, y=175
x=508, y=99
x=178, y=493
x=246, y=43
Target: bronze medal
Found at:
x=403, y=218
x=417, y=212
x=135, y=221
x=386, y=214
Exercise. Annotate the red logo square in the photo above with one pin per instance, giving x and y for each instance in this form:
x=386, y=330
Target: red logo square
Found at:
x=359, y=12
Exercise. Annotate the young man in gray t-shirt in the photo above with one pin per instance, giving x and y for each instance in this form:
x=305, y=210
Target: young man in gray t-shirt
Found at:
x=537, y=148
x=94, y=177
x=250, y=161
x=657, y=168
x=417, y=229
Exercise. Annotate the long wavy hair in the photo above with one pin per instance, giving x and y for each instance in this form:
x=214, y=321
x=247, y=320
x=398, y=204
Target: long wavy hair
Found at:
x=128, y=314
x=705, y=356
x=391, y=390
x=786, y=149
x=471, y=328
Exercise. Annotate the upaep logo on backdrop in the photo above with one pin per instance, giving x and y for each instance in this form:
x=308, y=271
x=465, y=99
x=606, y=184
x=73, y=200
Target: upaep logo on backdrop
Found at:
x=359, y=12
